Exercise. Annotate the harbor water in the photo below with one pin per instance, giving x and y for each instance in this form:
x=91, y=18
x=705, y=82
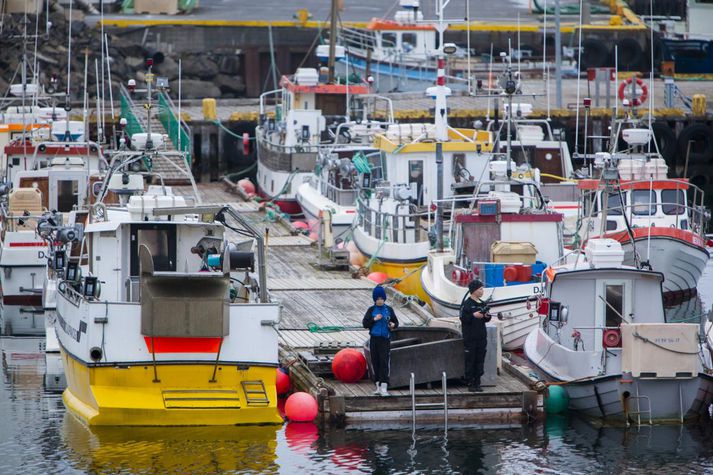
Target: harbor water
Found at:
x=39, y=436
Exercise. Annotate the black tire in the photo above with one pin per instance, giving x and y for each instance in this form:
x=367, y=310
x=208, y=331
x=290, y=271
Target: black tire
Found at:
x=702, y=147
x=595, y=54
x=630, y=54
x=666, y=141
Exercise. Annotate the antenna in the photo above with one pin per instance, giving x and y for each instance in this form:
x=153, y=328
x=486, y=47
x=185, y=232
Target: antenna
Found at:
x=579, y=65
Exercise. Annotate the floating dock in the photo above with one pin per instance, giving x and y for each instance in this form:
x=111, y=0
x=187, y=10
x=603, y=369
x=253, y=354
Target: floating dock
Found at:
x=322, y=313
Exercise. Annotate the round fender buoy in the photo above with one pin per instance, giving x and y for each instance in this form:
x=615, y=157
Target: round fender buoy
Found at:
x=301, y=407
x=611, y=338
x=556, y=400
x=314, y=236
x=247, y=186
x=283, y=382
x=349, y=365
x=246, y=143
x=377, y=277
x=357, y=259
x=281, y=407
x=300, y=225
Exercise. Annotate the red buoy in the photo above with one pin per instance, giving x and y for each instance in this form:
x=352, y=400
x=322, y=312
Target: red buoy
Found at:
x=301, y=407
x=300, y=225
x=349, y=365
x=247, y=186
x=283, y=381
x=377, y=277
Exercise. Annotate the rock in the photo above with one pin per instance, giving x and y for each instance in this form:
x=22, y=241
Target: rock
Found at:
x=134, y=62
x=168, y=68
x=195, y=89
x=229, y=84
x=199, y=67
x=229, y=65
x=126, y=48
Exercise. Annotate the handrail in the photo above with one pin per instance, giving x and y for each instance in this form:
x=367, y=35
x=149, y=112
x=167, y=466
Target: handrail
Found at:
x=133, y=124
x=177, y=130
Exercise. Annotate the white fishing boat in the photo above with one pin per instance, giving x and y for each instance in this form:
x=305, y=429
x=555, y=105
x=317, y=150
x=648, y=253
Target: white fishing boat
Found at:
x=160, y=319
x=48, y=175
x=420, y=164
x=295, y=122
x=603, y=336
x=659, y=221
x=505, y=237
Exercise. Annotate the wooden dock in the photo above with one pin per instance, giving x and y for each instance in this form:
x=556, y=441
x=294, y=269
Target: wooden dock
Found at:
x=322, y=310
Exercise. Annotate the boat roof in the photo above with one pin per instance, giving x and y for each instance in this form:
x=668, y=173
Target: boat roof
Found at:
x=379, y=24
x=569, y=272
x=642, y=184
x=460, y=140
x=342, y=89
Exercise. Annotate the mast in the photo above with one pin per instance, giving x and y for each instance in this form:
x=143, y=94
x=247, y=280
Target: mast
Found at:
x=332, y=40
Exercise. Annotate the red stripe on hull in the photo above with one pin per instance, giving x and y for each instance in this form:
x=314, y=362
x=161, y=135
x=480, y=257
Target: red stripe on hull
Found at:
x=163, y=344
x=660, y=232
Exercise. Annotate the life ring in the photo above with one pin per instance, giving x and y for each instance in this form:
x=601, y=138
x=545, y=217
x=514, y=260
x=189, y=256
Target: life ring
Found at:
x=634, y=101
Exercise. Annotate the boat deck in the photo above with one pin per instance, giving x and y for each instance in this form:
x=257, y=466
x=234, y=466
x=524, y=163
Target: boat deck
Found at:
x=323, y=310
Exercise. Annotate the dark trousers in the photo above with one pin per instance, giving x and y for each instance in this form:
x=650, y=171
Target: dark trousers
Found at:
x=380, y=349
x=474, y=360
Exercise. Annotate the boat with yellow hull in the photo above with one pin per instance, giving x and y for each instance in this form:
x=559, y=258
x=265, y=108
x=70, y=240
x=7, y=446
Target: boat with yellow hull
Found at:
x=182, y=330
x=110, y=396
x=407, y=275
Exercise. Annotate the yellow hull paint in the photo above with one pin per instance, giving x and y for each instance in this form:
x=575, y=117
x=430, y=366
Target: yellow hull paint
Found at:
x=184, y=396
x=410, y=285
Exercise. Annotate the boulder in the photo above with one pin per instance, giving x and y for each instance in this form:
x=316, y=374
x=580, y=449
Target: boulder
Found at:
x=199, y=67
x=168, y=68
x=229, y=65
x=229, y=84
x=195, y=89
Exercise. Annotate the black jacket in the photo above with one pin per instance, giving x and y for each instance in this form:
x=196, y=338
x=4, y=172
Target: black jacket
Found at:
x=473, y=328
x=368, y=321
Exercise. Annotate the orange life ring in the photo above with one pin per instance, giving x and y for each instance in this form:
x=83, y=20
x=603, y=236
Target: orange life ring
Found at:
x=635, y=101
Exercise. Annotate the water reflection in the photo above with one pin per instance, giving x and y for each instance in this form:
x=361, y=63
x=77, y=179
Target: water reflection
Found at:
x=150, y=450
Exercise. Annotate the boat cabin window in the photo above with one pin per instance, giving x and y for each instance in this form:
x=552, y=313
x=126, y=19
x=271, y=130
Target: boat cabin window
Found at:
x=643, y=202
x=67, y=195
x=614, y=295
x=614, y=206
x=161, y=241
x=408, y=42
x=415, y=174
x=388, y=40
x=673, y=201
x=331, y=104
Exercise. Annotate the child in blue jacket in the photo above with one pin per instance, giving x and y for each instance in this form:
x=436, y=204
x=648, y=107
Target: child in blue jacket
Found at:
x=380, y=319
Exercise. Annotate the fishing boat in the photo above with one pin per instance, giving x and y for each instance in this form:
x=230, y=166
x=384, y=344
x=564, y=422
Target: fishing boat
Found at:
x=604, y=337
x=160, y=319
x=307, y=113
x=659, y=221
x=47, y=175
x=505, y=237
x=419, y=164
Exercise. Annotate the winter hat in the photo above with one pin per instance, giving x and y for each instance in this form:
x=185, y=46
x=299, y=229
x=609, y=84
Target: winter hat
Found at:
x=379, y=292
x=474, y=285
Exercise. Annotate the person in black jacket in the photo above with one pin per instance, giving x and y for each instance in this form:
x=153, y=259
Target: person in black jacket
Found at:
x=380, y=319
x=473, y=317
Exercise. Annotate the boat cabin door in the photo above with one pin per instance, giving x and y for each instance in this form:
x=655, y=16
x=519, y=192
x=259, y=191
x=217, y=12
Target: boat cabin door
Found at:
x=66, y=189
x=612, y=308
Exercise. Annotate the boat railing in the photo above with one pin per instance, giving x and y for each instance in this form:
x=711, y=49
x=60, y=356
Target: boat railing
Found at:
x=398, y=227
x=341, y=196
x=265, y=95
x=695, y=213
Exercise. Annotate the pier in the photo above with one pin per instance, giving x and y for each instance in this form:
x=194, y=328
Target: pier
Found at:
x=322, y=309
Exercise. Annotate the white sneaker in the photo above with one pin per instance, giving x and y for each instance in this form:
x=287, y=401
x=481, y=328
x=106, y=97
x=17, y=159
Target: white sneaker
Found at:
x=377, y=392
x=382, y=390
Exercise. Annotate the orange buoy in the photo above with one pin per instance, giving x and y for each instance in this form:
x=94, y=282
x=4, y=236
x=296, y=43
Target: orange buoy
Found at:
x=349, y=365
x=247, y=186
x=301, y=407
x=283, y=381
x=377, y=277
x=281, y=407
x=300, y=225
x=314, y=236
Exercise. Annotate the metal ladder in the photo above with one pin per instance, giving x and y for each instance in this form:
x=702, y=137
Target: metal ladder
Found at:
x=429, y=405
x=638, y=413
x=255, y=393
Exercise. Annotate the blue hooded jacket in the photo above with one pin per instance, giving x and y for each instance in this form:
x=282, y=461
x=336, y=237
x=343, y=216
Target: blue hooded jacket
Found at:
x=380, y=327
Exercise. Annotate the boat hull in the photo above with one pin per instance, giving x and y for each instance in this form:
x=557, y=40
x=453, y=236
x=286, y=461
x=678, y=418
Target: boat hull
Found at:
x=130, y=395
x=312, y=203
x=681, y=261
x=21, y=310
